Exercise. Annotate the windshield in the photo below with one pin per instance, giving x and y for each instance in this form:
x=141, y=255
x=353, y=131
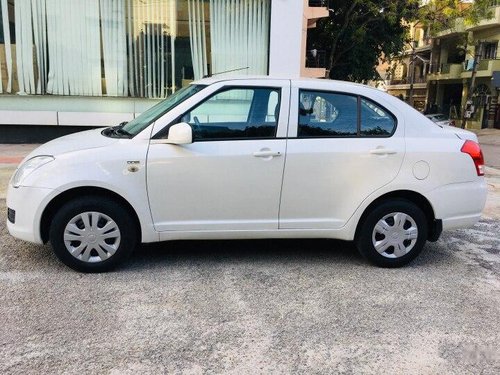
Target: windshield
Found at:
x=438, y=117
x=142, y=121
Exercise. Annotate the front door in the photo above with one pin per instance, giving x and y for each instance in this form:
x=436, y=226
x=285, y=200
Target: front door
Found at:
x=230, y=177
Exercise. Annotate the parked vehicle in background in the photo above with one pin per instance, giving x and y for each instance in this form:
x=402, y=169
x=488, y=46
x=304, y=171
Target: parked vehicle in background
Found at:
x=440, y=119
x=250, y=158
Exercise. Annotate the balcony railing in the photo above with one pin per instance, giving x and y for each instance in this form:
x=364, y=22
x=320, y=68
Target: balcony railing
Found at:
x=316, y=59
x=318, y=3
x=486, y=64
x=407, y=81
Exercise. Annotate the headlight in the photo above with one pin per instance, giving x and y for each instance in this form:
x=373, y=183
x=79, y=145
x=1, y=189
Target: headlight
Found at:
x=29, y=166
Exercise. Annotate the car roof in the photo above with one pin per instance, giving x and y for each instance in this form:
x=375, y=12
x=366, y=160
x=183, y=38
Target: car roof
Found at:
x=225, y=77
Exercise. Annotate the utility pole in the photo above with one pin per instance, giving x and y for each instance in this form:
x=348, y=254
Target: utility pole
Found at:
x=412, y=74
x=472, y=86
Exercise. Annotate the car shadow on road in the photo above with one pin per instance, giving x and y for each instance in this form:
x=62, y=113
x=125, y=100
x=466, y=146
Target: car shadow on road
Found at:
x=247, y=251
x=272, y=251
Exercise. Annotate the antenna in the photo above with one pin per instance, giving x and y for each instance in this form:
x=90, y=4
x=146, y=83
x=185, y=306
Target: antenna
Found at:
x=226, y=71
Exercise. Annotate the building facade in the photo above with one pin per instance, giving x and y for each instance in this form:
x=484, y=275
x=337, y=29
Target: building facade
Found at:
x=100, y=62
x=436, y=72
x=408, y=74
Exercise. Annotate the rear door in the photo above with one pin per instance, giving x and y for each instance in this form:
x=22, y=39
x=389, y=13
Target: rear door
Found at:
x=342, y=147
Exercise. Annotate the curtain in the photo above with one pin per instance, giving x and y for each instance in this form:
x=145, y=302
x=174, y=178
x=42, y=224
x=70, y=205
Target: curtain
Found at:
x=198, y=37
x=239, y=31
x=7, y=45
x=151, y=33
x=73, y=39
x=24, y=47
x=39, y=20
x=114, y=40
x=128, y=47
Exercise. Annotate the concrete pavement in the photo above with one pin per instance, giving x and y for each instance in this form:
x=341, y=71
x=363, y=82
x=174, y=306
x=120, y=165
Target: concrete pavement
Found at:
x=254, y=307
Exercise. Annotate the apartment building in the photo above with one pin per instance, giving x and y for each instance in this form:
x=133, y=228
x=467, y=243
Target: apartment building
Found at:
x=439, y=70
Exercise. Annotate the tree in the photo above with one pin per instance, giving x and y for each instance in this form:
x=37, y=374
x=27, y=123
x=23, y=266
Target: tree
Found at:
x=440, y=15
x=359, y=33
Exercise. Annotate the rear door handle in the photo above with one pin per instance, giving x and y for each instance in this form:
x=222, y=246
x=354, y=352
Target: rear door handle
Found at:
x=383, y=151
x=266, y=154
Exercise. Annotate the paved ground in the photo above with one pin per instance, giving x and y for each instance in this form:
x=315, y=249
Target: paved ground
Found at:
x=255, y=307
x=490, y=144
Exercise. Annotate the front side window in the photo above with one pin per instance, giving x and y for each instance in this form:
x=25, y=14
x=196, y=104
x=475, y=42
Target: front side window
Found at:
x=236, y=113
x=323, y=114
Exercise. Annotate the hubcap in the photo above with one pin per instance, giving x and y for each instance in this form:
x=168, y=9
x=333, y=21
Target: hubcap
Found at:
x=395, y=235
x=92, y=237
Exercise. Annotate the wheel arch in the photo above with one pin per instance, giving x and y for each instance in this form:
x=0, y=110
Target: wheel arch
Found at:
x=59, y=200
x=434, y=226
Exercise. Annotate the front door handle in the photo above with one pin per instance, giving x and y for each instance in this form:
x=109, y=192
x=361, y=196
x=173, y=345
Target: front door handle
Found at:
x=383, y=151
x=266, y=154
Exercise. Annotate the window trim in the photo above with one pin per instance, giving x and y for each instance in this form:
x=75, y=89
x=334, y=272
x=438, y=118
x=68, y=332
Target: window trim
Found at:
x=358, y=125
x=279, y=89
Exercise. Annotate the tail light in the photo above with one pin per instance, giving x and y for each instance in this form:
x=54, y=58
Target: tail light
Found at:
x=473, y=149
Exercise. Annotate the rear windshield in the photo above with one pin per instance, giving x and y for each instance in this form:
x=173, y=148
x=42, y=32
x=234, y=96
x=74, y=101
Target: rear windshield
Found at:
x=439, y=118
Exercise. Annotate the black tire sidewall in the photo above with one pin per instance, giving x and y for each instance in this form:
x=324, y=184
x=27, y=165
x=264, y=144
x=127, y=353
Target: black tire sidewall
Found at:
x=114, y=210
x=364, y=238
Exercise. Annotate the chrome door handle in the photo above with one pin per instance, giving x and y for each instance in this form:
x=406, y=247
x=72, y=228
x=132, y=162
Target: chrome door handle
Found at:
x=266, y=154
x=383, y=151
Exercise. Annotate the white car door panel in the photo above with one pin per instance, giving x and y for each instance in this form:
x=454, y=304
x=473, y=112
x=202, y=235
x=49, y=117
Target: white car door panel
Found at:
x=221, y=184
x=327, y=178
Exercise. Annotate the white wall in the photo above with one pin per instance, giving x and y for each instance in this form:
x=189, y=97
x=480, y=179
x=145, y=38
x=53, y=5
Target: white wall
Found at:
x=285, y=45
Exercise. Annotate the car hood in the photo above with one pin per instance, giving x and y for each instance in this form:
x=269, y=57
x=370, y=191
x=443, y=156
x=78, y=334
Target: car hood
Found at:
x=460, y=133
x=74, y=142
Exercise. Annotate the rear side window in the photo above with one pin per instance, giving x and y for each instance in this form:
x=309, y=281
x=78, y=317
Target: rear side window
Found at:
x=334, y=114
x=375, y=120
x=324, y=114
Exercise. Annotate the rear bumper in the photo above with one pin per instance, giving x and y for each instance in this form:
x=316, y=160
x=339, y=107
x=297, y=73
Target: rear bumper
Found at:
x=459, y=205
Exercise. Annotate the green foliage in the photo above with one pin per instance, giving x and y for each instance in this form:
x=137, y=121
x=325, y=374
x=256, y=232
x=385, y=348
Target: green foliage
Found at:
x=440, y=15
x=359, y=33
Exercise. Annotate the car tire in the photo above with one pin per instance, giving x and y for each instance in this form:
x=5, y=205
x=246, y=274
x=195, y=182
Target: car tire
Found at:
x=93, y=234
x=393, y=233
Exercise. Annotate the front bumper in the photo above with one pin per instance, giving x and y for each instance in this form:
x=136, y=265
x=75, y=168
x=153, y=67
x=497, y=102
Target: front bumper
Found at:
x=28, y=204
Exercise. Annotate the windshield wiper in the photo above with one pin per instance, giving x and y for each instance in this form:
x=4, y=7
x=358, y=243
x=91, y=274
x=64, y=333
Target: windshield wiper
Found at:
x=117, y=131
x=120, y=131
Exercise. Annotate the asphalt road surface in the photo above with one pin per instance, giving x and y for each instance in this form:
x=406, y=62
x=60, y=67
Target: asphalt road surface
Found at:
x=254, y=307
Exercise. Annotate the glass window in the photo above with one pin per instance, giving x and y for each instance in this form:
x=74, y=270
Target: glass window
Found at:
x=375, y=120
x=136, y=48
x=236, y=114
x=323, y=114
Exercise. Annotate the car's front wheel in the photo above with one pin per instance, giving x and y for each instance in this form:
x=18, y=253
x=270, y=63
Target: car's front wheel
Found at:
x=92, y=234
x=393, y=233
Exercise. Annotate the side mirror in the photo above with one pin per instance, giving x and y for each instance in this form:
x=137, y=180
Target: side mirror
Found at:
x=180, y=134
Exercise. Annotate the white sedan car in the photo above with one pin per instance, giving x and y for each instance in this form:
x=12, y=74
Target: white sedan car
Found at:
x=249, y=158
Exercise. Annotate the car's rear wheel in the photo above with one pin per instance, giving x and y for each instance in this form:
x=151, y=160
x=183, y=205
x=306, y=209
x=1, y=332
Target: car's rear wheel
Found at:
x=92, y=234
x=393, y=233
